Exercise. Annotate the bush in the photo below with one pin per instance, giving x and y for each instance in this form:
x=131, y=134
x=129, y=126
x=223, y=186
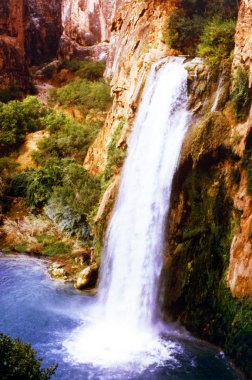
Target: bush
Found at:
x=79, y=190
x=55, y=249
x=186, y=26
x=241, y=95
x=37, y=186
x=116, y=155
x=68, y=140
x=18, y=118
x=88, y=95
x=89, y=70
x=217, y=41
x=184, y=32
x=18, y=362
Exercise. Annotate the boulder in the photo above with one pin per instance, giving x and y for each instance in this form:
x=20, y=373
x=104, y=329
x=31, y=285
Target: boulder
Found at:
x=87, y=277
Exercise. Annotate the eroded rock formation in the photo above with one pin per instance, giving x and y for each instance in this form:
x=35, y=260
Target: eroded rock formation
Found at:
x=86, y=28
x=243, y=39
x=137, y=41
x=42, y=29
x=12, y=56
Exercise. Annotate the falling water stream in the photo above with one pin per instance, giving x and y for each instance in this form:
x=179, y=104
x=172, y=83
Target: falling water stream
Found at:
x=119, y=336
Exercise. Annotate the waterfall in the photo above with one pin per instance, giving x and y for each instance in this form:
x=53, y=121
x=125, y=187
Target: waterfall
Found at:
x=218, y=93
x=134, y=242
x=133, y=253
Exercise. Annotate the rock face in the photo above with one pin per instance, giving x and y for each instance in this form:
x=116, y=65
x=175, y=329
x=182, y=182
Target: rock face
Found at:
x=42, y=29
x=137, y=40
x=86, y=28
x=243, y=39
x=87, y=277
x=12, y=56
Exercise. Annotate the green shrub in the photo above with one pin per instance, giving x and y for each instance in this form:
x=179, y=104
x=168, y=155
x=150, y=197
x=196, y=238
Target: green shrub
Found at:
x=68, y=140
x=241, y=94
x=186, y=27
x=18, y=118
x=217, y=41
x=55, y=249
x=18, y=361
x=116, y=155
x=37, y=185
x=89, y=70
x=79, y=190
x=184, y=32
x=88, y=95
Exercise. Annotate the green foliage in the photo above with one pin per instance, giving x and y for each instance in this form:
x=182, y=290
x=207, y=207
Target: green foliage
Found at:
x=16, y=119
x=116, y=155
x=18, y=361
x=89, y=70
x=184, y=32
x=69, y=139
x=241, y=94
x=37, y=185
x=199, y=25
x=10, y=93
x=81, y=92
x=217, y=41
x=72, y=203
x=79, y=190
x=55, y=249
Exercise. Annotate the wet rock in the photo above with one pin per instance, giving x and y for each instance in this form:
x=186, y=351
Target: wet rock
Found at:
x=87, y=277
x=57, y=270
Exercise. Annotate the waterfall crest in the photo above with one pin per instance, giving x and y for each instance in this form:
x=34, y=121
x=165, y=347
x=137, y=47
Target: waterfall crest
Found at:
x=124, y=330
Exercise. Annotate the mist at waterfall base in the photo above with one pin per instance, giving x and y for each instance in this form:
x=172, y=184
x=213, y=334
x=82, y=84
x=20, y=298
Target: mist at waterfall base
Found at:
x=45, y=312
x=118, y=335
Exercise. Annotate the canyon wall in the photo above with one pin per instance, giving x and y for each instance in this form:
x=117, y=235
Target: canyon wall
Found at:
x=42, y=30
x=86, y=28
x=12, y=55
x=137, y=40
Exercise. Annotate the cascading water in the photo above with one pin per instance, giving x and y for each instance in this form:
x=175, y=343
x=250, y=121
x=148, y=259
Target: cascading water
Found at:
x=132, y=259
x=218, y=93
x=135, y=236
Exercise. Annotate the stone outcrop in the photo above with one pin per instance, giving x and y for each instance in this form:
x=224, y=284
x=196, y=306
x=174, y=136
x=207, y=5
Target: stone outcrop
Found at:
x=87, y=277
x=13, y=68
x=42, y=29
x=86, y=28
x=239, y=276
x=137, y=40
x=243, y=39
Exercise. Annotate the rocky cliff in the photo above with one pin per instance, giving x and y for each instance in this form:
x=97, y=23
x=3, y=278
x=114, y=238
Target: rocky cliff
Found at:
x=86, y=28
x=137, y=40
x=42, y=29
x=12, y=55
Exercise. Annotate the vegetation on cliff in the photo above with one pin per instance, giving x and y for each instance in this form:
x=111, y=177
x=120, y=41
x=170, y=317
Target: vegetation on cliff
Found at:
x=204, y=28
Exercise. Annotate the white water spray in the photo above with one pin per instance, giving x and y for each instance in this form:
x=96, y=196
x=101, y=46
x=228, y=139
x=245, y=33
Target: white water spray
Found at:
x=133, y=254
